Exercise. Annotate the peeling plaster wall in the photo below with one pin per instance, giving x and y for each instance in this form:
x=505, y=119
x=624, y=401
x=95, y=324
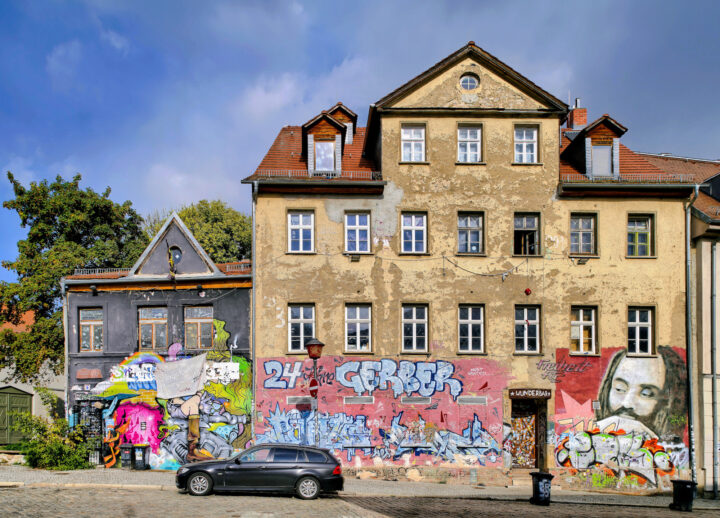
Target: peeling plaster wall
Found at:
x=441, y=188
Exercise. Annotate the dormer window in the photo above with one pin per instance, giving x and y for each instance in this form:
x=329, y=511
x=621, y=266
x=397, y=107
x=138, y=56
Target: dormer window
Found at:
x=325, y=156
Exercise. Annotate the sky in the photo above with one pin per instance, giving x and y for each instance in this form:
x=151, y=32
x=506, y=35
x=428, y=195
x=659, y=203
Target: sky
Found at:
x=171, y=102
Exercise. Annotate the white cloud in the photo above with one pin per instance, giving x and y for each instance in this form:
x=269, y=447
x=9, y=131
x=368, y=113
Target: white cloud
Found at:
x=62, y=63
x=116, y=41
x=22, y=168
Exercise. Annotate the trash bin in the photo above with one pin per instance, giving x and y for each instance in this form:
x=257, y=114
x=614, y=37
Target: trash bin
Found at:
x=541, y=488
x=126, y=456
x=142, y=456
x=683, y=494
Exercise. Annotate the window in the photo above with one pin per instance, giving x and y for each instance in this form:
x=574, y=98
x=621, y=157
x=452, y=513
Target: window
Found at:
x=582, y=234
x=324, y=156
x=357, y=327
x=582, y=330
x=639, y=240
x=301, y=325
x=470, y=233
x=469, y=82
x=300, y=231
x=199, y=327
x=153, y=328
x=259, y=455
x=525, y=144
x=527, y=329
x=640, y=321
x=414, y=327
x=285, y=455
x=471, y=334
x=469, y=144
x=414, y=233
x=527, y=234
x=413, y=143
x=602, y=160
x=357, y=232
x=91, y=330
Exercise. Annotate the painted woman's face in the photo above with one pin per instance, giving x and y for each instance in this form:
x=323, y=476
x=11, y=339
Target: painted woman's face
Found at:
x=636, y=388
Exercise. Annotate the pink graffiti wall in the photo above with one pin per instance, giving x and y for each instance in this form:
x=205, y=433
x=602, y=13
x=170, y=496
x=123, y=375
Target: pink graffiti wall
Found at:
x=393, y=410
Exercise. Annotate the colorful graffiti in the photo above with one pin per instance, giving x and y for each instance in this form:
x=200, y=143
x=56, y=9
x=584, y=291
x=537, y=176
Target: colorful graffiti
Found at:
x=415, y=412
x=626, y=426
x=211, y=423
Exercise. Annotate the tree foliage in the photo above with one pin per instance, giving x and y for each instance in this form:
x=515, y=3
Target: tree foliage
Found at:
x=224, y=233
x=68, y=228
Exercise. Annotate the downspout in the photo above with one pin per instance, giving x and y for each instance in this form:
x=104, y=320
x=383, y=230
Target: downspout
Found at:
x=66, y=369
x=713, y=360
x=689, y=337
x=252, y=306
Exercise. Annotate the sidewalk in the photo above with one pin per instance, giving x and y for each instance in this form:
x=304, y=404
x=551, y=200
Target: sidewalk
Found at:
x=113, y=478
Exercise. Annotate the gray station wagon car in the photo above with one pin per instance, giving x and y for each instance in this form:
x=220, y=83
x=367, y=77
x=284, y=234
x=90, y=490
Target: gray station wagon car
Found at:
x=303, y=470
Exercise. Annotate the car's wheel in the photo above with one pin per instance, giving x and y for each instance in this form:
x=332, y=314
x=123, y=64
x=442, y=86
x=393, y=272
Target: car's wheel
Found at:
x=199, y=484
x=307, y=488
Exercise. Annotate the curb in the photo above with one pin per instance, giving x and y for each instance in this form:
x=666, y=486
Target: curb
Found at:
x=134, y=487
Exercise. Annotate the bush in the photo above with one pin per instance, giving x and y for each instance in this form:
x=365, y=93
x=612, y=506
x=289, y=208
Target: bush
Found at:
x=51, y=443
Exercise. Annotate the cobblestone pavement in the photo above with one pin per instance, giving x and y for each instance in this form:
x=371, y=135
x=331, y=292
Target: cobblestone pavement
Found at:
x=40, y=502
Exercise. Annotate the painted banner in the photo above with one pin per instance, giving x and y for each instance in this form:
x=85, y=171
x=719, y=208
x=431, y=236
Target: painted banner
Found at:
x=181, y=377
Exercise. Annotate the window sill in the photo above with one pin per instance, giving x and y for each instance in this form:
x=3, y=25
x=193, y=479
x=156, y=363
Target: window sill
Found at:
x=521, y=353
x=585, y=355
x=640, y=257
x=296, y=353
x=535, y=256
x=584, y=256
x=413, y=163
x=414, y=253
x=527, y=163
x=416, y=353
x=470, y=163
x=472, y=353
x=357, y=253
x=640, y=355
x=301, y=253
x=358, y=353
x=470, y=254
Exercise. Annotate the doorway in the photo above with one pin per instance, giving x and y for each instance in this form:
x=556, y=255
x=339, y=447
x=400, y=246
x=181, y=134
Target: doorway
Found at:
x=528, y=423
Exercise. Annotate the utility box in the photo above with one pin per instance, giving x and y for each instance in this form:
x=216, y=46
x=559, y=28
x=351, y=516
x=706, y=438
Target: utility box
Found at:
x=127, y=453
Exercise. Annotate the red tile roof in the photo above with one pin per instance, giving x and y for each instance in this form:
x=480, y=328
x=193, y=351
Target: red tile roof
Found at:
x=700, y=169
x=285, y=155
x=233, y=268
x=708, y=206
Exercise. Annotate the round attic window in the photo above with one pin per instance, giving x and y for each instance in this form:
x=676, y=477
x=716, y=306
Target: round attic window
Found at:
x=176, y=254
x=469, y=82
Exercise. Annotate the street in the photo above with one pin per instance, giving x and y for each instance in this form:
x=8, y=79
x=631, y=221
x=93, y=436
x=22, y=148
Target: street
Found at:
x=63, y=502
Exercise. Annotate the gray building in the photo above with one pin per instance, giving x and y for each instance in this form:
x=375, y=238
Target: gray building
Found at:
x=122, y=326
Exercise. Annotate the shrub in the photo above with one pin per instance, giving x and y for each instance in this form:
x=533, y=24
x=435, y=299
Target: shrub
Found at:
x=51, y=443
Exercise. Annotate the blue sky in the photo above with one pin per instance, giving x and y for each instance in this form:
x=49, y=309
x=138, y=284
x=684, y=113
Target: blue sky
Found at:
x=169, y=102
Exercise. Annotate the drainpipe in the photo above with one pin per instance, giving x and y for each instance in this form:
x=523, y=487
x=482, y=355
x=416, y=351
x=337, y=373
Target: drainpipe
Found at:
x=689, y=338
x=66, y=368
x=713, y=361
x=252, y=306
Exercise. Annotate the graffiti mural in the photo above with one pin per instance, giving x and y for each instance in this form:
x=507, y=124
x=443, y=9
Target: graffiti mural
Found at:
x=375, y=411
x=631, y=424
x=212, y=423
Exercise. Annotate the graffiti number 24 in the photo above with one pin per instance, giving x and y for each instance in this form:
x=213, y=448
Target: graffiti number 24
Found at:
x=291, y=371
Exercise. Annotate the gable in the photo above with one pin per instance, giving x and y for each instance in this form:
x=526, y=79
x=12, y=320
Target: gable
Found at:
x=155, y=261
x=444, y=91
x=323, y=130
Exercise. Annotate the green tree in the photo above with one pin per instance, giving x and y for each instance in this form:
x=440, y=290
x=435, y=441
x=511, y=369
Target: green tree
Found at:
x=68, y=228
x=224, y=233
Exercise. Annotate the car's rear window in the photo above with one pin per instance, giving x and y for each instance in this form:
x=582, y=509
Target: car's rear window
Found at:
x=285, y=455
x=315, y=456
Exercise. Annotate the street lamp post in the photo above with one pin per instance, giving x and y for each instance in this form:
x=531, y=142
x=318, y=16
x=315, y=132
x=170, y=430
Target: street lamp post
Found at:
x=314, y=350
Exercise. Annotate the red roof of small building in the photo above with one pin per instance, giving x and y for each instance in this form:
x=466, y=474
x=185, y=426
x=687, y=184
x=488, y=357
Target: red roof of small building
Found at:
x=700, y=169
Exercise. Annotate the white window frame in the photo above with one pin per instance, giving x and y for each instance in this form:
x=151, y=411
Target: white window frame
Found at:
x=523, y=143
x=92, y=324
x=413, y=227
x=302, y=320
x=527, y=324
x=634, y=323
x=414, y=136
x=650, y=245
x=468, y=229
x=468, y=142
x=469, y=323
x=577, y=328
x=415, y=322
x=154, y=323
x=331, y=143
x=357, y=227
x=300, y=227
x=198, y=322
x=356, y=323
x=475, y=82
x=580, y=232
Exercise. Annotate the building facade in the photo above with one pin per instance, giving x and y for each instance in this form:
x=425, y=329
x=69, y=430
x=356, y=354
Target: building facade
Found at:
x=175, y=312
x=496, y=293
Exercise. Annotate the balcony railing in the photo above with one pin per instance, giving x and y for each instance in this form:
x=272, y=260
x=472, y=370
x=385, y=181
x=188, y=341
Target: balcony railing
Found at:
x=632, y=178
x=300, y=174
x=238, y=268
x=101, y=271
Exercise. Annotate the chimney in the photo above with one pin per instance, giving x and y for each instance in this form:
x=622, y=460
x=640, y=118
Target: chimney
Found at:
x=577, y=118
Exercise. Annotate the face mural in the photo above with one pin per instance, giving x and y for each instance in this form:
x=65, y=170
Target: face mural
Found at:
x=387, y=411
x=633, y=426
x=210, y=423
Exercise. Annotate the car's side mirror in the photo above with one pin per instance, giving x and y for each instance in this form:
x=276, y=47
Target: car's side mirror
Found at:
x=238, y=461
